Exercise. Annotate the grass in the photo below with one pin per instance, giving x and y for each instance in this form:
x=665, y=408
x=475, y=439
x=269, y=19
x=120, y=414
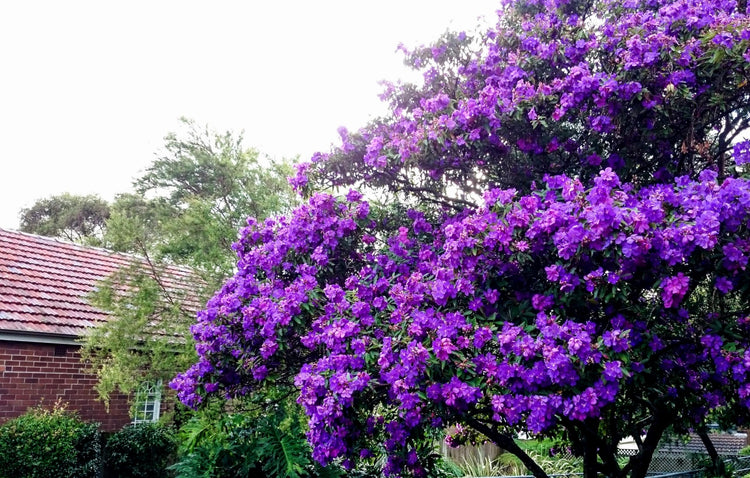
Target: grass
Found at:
x=480, y=464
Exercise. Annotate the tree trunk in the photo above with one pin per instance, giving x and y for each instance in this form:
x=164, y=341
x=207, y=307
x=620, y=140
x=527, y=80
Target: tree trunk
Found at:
x=642, y=460
x=718, y=464
x=590, y=461
x=507, y=443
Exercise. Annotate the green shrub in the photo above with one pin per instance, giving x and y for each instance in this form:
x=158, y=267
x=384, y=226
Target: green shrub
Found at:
x=745, y=451
x=144, y=450
x=217, y=446
x=43, y=443
x=267, y=443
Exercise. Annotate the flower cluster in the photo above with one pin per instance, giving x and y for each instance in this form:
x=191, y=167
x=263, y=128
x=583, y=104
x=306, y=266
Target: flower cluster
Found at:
x=282, y=263
x=559, y=86
x=463, y=319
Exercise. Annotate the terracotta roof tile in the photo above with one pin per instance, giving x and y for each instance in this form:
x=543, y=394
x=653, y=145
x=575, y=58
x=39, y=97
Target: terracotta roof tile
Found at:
x=44, y=284
x=725, y=444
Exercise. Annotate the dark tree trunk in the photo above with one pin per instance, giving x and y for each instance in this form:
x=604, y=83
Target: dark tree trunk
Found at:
x=507, y=443
x=718, y=464
x=590, y=461
x=638, y=464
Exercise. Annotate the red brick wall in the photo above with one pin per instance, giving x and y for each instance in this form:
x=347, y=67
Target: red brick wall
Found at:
x=33, y=374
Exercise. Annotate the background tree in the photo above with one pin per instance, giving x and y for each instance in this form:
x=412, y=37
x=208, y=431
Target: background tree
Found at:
x=180, y=223
x=604, y=296
x=75, y=218
x=190, y=202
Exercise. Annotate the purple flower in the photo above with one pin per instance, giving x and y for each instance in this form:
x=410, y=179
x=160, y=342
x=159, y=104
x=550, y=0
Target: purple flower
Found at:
x=617, y=340
x=613, y=371
x=481, y=336
x=553, y=272
x=443, y=348
x=594, y=160
x=741, y=152
x=674, y=289
x=353, y=196
x=542, y=302
x=459, y=395
x=260, y=372
x=724, y=285
x=724, y=39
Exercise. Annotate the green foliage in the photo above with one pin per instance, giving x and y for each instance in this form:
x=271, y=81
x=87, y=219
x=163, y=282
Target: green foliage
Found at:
x=476, y=464
x=49, y=443
x=283, y=452
x=75, y=218
x=509, y=465
x=506, y=464
x=194, y=197
x=714, y=468
x=216, y=445
x=140, y=451
x=558, y=465
x=745, y=451
x=446, y=468
x=266, y=441
x=149, y=339
x=186, y=209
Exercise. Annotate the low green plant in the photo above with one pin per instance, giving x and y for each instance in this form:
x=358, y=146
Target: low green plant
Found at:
x=215, y=445
x=480, y=464
x=507, y=464
x=268, y=442
x=143, y=450
x=49, y=442
x=557, y=465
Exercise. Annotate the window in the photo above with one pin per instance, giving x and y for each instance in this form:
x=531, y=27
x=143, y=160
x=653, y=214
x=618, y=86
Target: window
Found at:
x=147, y=402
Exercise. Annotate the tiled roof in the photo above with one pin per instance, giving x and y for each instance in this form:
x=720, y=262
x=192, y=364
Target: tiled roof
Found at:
x=44, y=284
x=728, y=444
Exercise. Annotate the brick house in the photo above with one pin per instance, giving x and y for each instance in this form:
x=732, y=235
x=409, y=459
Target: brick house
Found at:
x=44, y=284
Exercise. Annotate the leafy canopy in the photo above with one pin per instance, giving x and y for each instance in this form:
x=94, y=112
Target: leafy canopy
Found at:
x=190, y=202
x=76, y=218
x=567, y=255
x=185, y=211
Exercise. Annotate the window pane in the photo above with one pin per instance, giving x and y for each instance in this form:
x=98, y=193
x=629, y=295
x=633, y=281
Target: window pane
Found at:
x=147, y=402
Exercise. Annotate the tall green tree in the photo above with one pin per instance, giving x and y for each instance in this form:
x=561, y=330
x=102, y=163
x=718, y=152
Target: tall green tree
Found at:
x=190, y=202
x=185, y=211
x=76, y=218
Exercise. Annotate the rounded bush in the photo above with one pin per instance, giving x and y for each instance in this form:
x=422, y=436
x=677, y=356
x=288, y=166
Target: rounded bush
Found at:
x=44, y=443
x=143, y=450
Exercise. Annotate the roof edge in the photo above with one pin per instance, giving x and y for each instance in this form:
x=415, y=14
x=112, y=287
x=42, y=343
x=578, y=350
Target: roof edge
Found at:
x=39, y=338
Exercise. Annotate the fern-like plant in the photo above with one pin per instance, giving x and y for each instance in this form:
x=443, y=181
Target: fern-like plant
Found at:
x=283, y=454
x=268, y=442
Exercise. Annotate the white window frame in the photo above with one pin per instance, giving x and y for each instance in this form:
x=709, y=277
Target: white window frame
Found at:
x=147, y=404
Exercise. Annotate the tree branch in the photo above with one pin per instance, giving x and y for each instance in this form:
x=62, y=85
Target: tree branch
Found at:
x=638, y=464
x=507, y=443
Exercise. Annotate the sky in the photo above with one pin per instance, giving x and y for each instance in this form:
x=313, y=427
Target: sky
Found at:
x=89, y=89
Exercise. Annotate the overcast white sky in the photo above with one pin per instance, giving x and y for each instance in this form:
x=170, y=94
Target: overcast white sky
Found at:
x=88, y=89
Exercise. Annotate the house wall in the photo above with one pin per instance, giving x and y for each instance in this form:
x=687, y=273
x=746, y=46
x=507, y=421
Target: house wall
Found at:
x=32, y=374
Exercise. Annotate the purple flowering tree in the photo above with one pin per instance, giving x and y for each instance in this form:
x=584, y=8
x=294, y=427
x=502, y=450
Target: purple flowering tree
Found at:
x=565, y=251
